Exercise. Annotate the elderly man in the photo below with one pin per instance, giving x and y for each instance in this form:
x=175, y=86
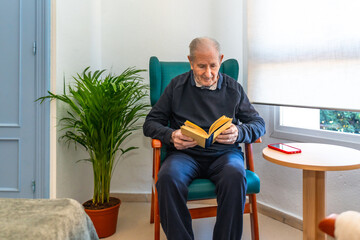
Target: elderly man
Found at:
x=201, y=96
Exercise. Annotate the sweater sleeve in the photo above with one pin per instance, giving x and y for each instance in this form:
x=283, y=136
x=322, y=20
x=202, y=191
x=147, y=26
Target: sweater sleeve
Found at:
x=157, y=121
x=252, y=126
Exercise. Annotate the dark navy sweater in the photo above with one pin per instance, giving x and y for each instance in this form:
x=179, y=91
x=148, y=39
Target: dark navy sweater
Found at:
x=182, y=100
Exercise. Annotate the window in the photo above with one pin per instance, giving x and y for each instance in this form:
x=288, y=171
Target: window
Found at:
x=340, y=121
x=305, y=124
x=319, y=119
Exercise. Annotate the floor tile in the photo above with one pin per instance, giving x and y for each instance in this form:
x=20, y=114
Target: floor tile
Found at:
x=134, y=223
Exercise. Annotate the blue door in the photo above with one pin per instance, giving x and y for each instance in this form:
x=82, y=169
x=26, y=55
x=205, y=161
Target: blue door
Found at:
x=18, y=111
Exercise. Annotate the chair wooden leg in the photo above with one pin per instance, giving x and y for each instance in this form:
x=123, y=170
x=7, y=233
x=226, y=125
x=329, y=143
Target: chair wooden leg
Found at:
x=156, y=217
x=152, y=207
x=254, y=218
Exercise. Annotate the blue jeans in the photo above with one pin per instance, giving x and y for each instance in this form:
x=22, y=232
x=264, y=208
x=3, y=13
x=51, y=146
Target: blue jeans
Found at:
x=228, y=174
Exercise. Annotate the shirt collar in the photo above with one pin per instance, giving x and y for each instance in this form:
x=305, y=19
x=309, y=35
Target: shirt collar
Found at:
x=219, y=82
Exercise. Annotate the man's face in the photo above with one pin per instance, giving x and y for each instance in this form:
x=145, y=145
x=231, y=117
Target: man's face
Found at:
x=206, y=65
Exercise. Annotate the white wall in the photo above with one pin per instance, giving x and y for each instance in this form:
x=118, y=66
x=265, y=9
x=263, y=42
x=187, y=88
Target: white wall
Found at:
x=77, y=46
x=281, y=187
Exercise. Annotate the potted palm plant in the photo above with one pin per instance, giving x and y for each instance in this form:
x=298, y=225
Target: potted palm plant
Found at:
x=102, y=113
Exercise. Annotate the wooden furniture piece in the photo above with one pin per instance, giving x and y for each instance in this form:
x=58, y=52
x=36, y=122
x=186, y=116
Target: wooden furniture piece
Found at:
x=315, y=159
x=161, y=74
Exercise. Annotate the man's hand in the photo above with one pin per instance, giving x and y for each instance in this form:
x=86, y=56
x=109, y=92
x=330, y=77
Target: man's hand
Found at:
x=181, y=141
x=228, y=136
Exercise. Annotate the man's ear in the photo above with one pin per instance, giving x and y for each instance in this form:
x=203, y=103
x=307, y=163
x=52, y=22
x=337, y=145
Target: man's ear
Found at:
x=221, y=58
x=190, y=62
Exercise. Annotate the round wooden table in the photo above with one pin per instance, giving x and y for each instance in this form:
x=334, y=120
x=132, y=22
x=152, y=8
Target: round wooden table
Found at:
x=315, y=159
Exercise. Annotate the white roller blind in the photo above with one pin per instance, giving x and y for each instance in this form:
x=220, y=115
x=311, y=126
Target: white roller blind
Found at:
x=304, y=53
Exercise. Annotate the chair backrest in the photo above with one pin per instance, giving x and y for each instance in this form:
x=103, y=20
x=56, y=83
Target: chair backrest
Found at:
x=161, y=74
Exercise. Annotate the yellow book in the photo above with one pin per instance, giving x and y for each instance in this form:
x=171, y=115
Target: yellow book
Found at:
x=203, y=138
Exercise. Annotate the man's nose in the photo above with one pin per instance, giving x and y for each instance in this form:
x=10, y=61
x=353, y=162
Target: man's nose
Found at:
x=208, y=72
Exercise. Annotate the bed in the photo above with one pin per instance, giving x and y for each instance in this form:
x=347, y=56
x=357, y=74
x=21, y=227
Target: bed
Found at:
x=44, y=219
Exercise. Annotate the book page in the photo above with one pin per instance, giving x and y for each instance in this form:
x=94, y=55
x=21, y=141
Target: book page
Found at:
x=225, y=126
x=198, y=129
x=218, y=123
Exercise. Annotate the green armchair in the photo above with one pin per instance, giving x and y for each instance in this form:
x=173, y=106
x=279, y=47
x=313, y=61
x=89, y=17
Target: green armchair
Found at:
x=161, y=74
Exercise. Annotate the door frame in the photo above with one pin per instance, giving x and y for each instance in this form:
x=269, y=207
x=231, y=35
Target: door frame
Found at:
x=42, y=83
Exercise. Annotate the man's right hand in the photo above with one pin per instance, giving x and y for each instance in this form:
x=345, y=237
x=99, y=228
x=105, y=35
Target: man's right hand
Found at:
x=181, y=141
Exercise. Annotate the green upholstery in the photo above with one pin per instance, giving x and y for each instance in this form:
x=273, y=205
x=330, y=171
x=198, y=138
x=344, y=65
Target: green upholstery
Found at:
x=204, y=188
x=161, y=74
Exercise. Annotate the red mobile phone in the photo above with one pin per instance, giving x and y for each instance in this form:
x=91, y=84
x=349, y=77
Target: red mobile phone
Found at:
x=284, y=148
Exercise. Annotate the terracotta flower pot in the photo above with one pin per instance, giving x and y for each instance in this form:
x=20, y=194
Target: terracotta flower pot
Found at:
x=104, y=220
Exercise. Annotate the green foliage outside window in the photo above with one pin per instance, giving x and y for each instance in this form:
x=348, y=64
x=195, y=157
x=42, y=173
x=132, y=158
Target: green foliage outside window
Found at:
x=340, y=121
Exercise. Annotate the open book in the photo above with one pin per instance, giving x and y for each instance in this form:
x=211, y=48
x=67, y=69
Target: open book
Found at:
x=203, y=138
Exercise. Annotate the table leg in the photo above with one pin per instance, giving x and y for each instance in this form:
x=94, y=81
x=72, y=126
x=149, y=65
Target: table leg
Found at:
x=313, y=204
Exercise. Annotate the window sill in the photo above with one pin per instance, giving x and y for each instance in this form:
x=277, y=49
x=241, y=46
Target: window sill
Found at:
x=310, y=135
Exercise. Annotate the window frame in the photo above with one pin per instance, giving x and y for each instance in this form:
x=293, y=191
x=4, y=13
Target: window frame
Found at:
x=309, y=135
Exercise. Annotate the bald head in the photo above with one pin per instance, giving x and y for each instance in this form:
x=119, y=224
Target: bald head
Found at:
x=203, y=44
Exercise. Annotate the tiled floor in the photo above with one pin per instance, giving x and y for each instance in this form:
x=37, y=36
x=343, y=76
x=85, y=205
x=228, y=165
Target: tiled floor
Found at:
x=133, y=223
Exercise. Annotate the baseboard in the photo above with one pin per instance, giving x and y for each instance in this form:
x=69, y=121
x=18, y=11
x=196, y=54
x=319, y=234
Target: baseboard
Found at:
x=132, y=197
x=281, y=216
x=264, y=209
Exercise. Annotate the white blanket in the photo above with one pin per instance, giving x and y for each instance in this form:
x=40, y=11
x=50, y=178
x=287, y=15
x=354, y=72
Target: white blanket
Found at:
x=39, y=219
x=347, y=226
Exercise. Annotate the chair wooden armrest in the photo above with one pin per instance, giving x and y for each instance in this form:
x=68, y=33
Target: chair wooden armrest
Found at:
x=249, y=155
x=154, y=216
x=327, y=225
x=259, y=140
x=156, y=145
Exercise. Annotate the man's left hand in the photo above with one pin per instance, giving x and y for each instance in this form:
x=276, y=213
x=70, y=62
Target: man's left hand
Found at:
x=229, y=136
